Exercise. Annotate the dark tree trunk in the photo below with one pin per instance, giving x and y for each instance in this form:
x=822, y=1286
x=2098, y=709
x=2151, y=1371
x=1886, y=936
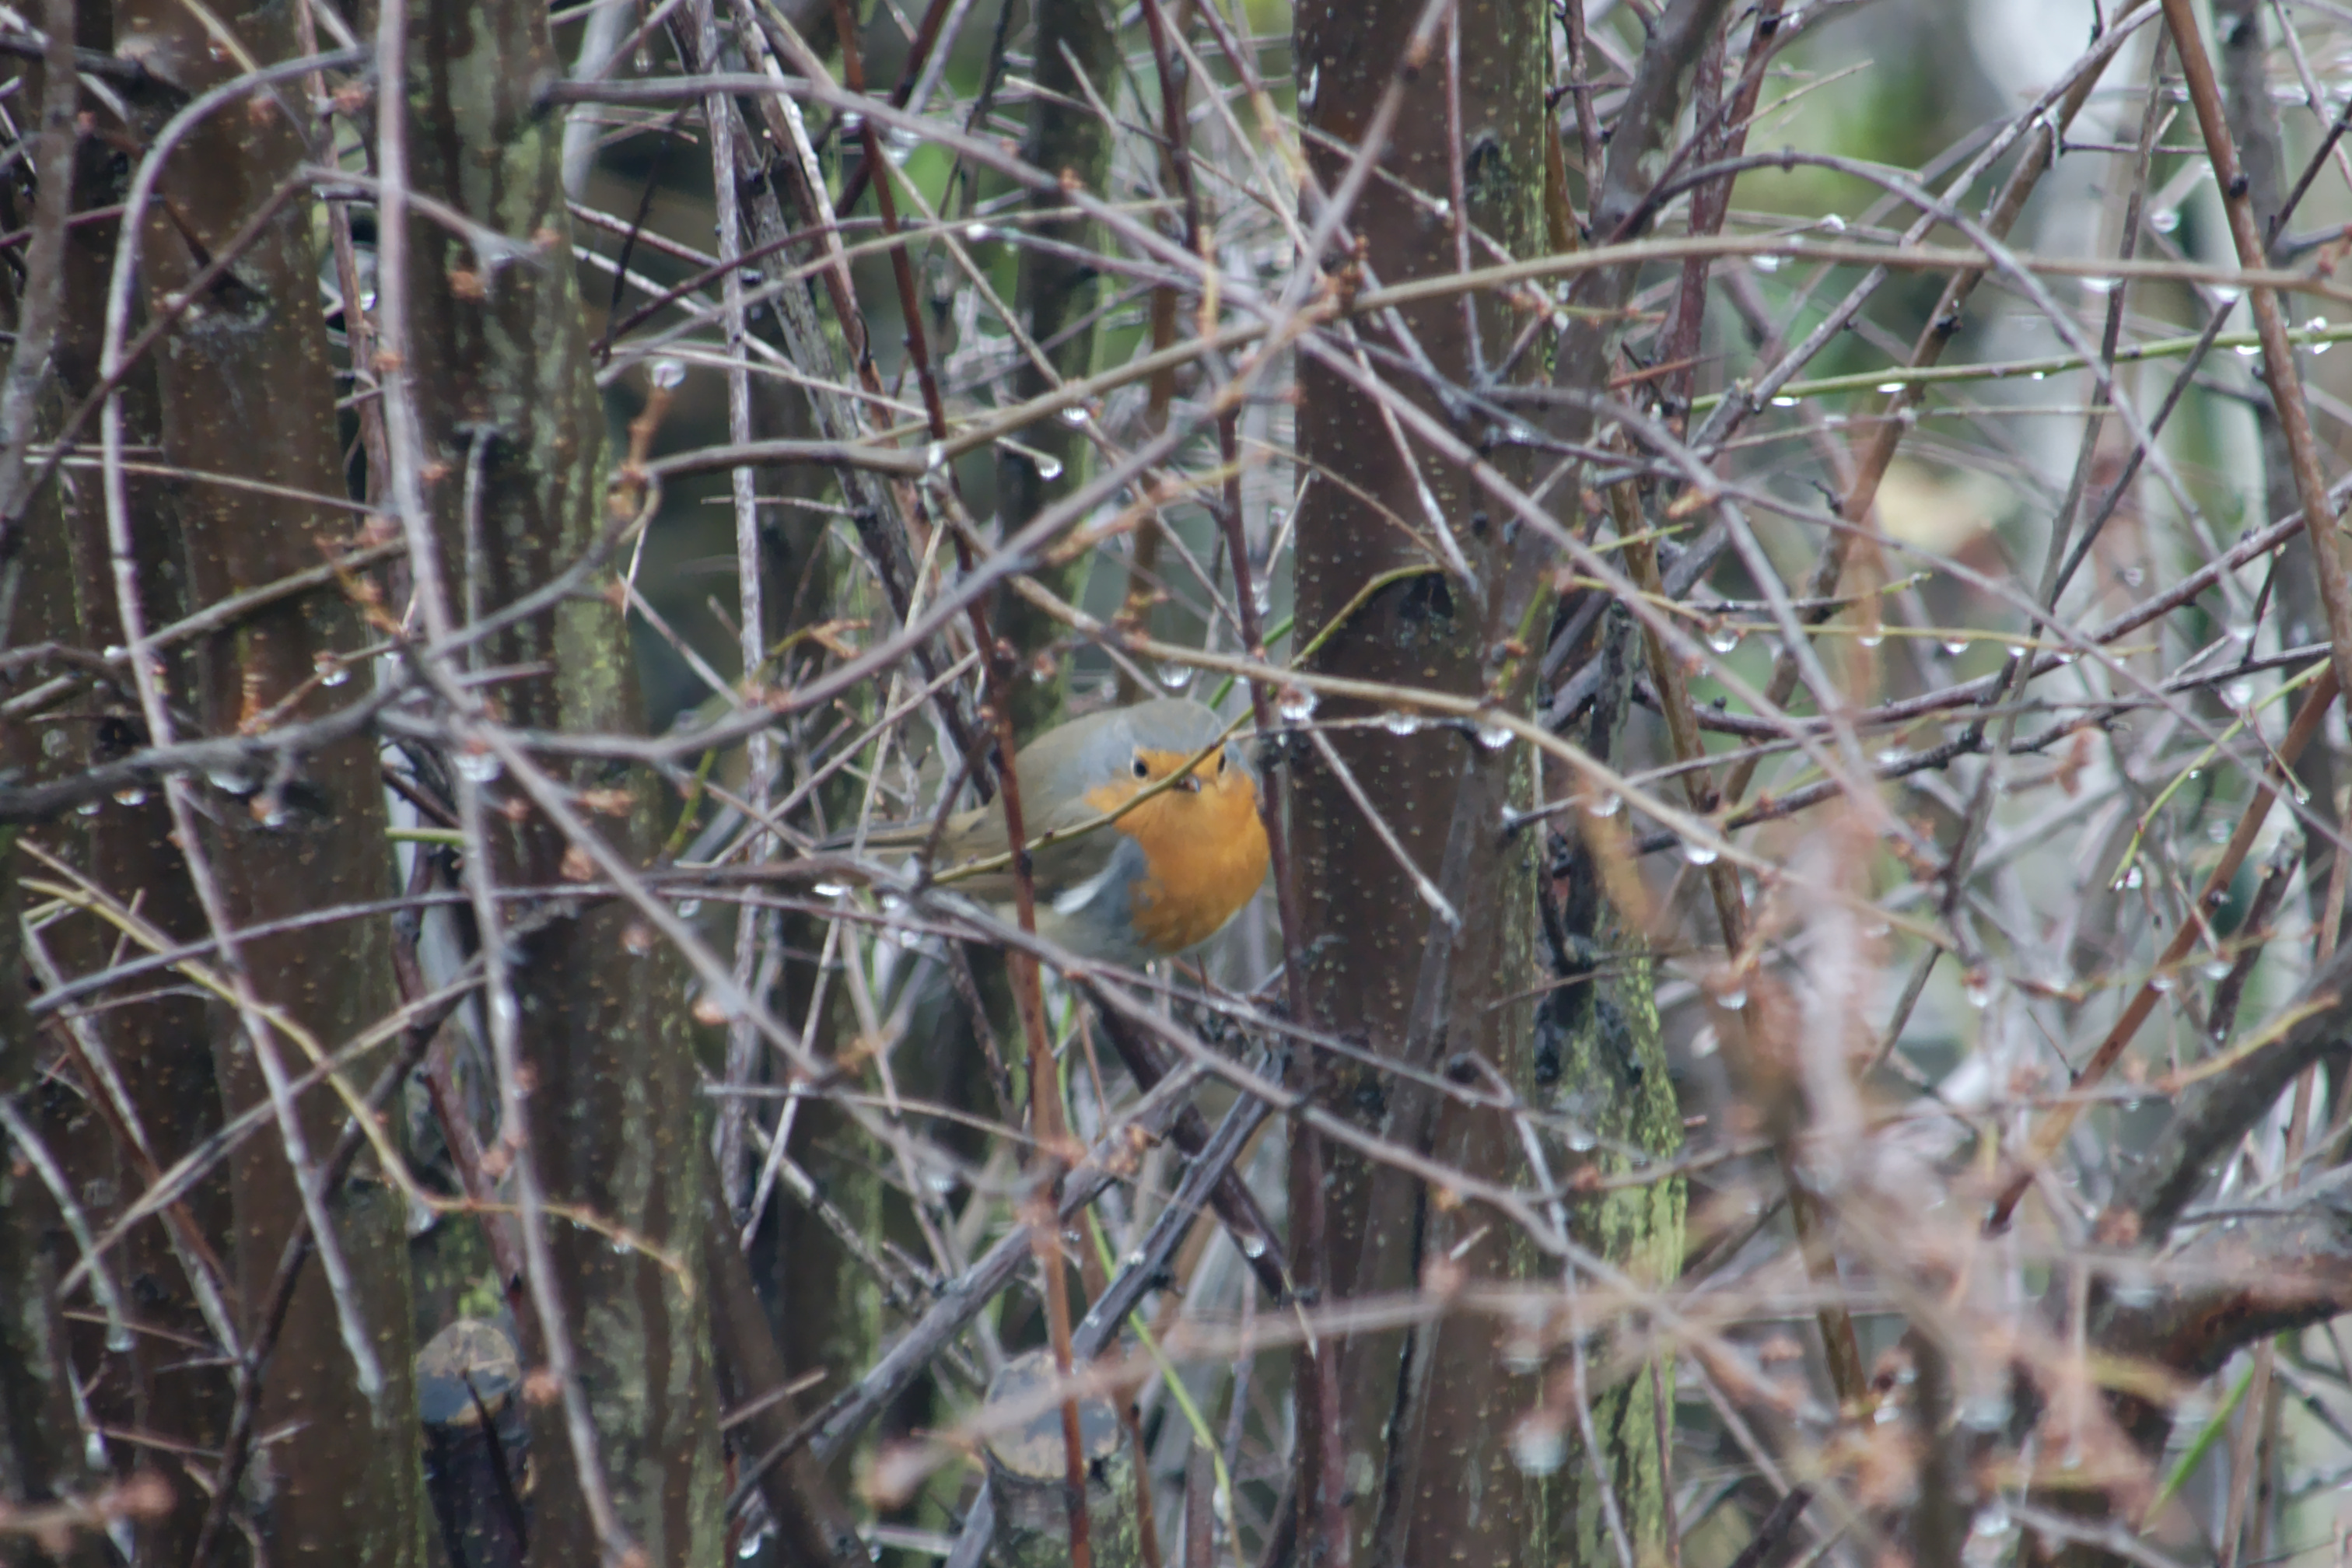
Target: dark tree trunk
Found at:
x=1421, y=1449
x=159, y=1043
x=245, y=389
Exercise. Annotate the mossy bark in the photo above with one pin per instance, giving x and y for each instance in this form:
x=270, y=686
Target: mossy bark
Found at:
x=1611, y=1081
x=504, y=383
x=1077, y=53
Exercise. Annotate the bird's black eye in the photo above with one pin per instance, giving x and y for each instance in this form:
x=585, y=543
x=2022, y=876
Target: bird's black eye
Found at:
x=1140, y=768
x=1222, y=761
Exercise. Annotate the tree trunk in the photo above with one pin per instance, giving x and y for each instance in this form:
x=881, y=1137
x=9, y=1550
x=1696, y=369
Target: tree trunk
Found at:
x=158, y=1044
x=1077, y=54
x=244, y=389
x=509, y=410
x=1422, y=1452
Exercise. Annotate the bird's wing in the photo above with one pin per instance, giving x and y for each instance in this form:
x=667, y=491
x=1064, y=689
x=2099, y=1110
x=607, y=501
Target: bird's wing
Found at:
x=1058, y=764
x=1071, y=857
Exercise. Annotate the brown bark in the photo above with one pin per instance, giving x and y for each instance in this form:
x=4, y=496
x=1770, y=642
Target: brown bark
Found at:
x=1448, y=1487
x=158, y=1044
x=244, y=388
x=1414, y=987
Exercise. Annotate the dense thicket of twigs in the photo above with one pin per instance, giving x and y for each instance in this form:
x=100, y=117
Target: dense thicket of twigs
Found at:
x=1782, y=563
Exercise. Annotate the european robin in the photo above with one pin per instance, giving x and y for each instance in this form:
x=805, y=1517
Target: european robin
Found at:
x=1162, y=875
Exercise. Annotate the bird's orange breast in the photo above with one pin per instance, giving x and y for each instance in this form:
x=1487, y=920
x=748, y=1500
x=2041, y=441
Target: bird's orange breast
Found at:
x=1205, y=854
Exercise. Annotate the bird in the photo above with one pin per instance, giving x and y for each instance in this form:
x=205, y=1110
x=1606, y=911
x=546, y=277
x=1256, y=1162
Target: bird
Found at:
x=1117, y=878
